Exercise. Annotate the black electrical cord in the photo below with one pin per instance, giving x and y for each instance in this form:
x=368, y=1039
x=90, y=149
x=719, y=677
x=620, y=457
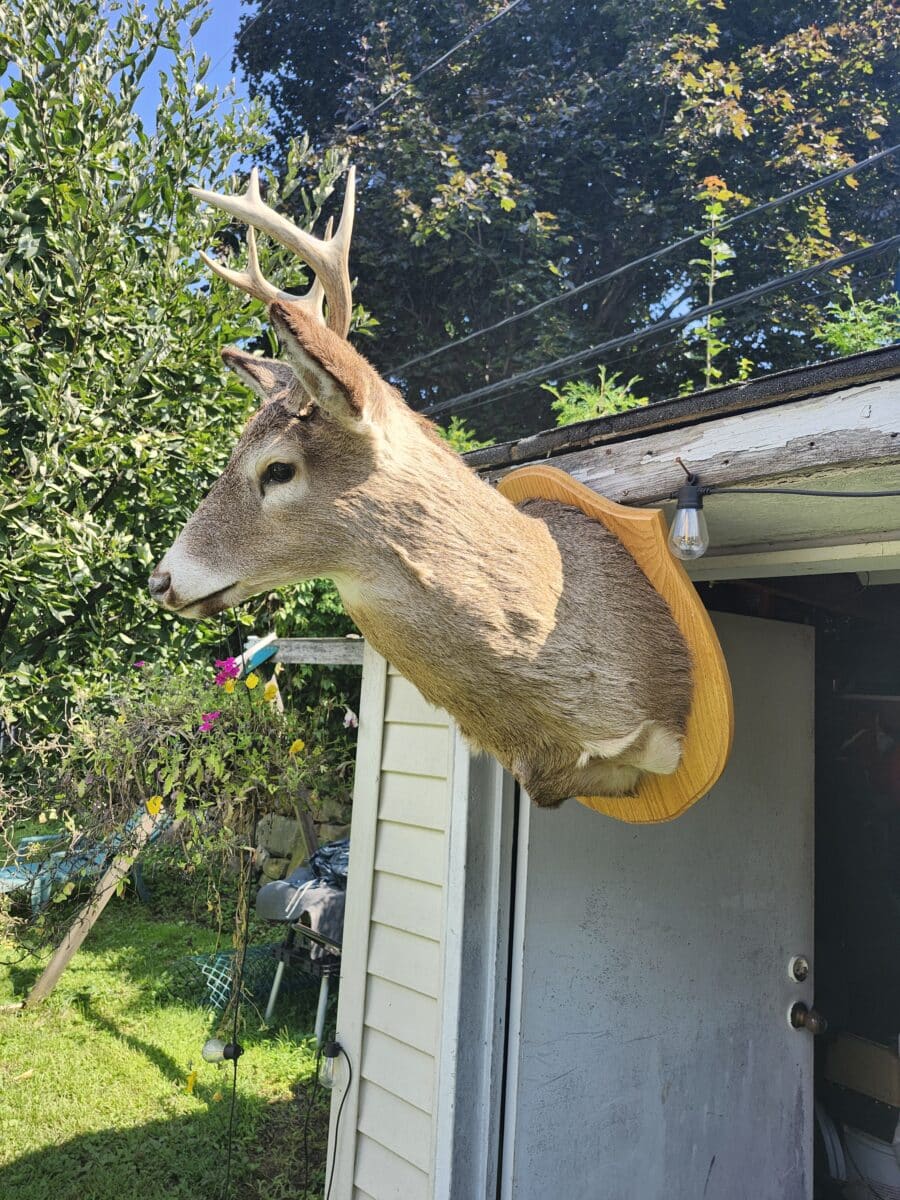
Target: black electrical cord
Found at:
x=238, y=982
x=691, y=494
x=337, y=1123
x=713, y=489
x=310, y=1105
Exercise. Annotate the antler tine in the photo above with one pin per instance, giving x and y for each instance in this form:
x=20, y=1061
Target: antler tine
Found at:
x=254, y=283
x=328, y=258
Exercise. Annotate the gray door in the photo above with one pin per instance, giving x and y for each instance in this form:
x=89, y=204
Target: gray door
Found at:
x=651, y=1057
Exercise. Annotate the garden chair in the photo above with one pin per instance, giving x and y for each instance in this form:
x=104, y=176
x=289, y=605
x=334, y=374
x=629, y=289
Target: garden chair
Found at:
x=311, y=902
x=80, y=859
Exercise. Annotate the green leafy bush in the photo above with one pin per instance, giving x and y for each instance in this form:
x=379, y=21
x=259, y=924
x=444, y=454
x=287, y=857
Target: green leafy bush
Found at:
x=207, y=749
x=116, y=412
x=213, y=752
x=581, y=400
x=860, y=324
x=461, y=437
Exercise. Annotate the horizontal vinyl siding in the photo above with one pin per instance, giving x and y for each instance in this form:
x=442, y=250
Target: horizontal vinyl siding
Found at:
x=384, y=1175
x=395, y=1115
x=405, y=958
x=407, y=904
x=410, y=852
x=416, y=749
x=413, y=800
x=399, y=1069
x=405, y=703
x=396, y=1125
x=401, y=1013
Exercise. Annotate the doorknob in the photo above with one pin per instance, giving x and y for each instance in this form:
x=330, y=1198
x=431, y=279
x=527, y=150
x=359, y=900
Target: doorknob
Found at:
x=802, y=1017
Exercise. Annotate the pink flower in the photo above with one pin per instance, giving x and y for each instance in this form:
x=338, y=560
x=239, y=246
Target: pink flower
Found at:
x=138, y=663
x=208, y=718
x=351, y=720
x=228, y=669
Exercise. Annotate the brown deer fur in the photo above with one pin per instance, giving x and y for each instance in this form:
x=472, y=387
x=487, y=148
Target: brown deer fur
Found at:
x=532, y=627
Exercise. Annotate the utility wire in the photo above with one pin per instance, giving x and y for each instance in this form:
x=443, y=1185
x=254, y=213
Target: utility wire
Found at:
x=480, y=395
x=240, y=37
x=648, y=258
x=473, y=33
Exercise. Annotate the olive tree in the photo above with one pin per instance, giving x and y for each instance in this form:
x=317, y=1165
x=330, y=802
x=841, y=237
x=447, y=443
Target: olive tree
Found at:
x=115, y=410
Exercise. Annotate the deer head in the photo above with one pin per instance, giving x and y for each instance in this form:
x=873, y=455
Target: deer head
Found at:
x=532, y=626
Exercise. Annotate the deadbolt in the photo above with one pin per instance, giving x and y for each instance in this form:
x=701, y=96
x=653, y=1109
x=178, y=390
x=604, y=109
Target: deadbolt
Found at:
x=798, y=968
x=802, y=1017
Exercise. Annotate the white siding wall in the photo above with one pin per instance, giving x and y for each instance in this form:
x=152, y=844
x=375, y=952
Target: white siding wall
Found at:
x=388, y=1013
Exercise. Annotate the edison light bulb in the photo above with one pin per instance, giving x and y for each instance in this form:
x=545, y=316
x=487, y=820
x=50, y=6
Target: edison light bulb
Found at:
x=327, y=1073
x=689, y=537
x=216, y=1051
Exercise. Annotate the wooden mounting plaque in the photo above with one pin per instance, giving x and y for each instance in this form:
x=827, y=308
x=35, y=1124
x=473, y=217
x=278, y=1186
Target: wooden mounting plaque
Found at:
x=707, y=744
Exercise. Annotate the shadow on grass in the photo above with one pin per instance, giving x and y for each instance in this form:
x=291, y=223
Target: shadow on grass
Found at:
x=162, y=1061
x=183, y=1158
x=154, y=953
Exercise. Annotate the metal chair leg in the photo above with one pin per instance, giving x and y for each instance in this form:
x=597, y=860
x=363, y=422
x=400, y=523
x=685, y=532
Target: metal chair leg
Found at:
x=323, y=1005
x=143, y=892
x=279, y=974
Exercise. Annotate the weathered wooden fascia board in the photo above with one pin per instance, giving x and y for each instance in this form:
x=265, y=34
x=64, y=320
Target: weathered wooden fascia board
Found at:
x=780, y=387
x=844, y=430
x=334, y=652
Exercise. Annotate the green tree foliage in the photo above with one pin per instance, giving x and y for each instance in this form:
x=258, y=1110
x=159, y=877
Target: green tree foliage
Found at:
x=581, y=400
x=858, y=325
x=116, y=411
x=570, y=138
x=461, y=437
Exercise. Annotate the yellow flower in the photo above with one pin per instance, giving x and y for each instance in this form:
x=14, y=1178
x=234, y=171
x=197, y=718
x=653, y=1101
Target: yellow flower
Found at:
x=229, y=686
x=217, y=1096
x=154, y=804
x=270, y=691
x=297, y=746
x=251, y=681
x=120, y=719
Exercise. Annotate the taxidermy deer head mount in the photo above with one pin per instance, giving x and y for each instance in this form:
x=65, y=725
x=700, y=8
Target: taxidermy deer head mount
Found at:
x=532, y=626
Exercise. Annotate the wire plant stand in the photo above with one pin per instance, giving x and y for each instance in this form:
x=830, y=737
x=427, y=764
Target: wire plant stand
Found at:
x=208, y=979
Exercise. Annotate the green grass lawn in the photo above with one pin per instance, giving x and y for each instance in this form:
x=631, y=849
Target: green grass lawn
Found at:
x=93, y=1097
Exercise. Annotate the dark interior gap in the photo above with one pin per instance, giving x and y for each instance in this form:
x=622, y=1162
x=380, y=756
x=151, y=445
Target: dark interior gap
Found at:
x=510, y=950
x=857, y=851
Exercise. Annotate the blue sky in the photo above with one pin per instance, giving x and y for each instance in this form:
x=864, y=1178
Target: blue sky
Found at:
x=216, y=39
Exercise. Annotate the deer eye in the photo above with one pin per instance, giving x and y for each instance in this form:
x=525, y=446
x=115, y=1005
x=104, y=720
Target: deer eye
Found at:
x=278, y=472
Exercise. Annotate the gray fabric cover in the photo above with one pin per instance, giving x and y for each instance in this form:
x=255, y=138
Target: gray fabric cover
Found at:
x=304, y=898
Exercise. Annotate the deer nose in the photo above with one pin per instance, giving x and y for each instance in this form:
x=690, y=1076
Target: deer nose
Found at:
x=159, y=583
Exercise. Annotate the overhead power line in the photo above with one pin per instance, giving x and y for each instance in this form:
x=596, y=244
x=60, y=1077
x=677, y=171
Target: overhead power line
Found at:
x=647, y=258
x=480, y=395
x=240, y=37
x=357, y=125
x=470, y=36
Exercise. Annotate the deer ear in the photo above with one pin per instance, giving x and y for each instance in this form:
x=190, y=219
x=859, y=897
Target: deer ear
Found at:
x=267, y=377
x=329, y=370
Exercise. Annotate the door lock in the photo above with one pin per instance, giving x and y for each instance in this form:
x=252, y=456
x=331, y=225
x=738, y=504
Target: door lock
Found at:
x=798, y=968
x=802, y=1017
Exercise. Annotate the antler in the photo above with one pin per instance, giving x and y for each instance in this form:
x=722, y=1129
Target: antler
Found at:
x=328, y=257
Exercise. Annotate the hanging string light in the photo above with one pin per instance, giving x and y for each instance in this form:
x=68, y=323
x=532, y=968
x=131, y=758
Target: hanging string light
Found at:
x=689, y=536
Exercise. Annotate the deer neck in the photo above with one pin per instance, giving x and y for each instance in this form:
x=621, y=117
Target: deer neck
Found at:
x=449, y=561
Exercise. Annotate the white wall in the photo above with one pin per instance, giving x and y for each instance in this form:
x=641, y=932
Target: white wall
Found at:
x=388, y=1012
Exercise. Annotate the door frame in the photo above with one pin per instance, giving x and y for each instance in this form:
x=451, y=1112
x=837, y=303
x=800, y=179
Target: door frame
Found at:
x=484, y=936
